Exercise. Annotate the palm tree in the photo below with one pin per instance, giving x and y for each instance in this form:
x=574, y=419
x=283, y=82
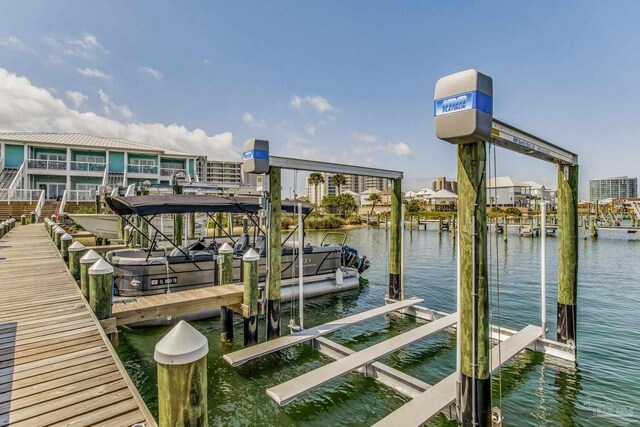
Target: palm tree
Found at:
x=316, y=179
x=374, y=199
x=339, y=180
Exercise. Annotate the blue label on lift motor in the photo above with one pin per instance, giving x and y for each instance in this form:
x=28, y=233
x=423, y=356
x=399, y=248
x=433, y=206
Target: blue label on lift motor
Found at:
x=256, y=154
x=474, y=100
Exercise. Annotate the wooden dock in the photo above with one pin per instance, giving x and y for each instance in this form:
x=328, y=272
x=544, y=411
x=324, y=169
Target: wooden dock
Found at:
x=140, y=309
x=57, y=365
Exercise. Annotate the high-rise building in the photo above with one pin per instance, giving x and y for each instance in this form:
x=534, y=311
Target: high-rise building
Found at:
x=315, y=194
x=441, y=183
x=377, y=183
x=620, y=187
x=222, y=172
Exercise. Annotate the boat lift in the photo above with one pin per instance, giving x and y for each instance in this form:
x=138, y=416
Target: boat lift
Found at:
x=427, y=401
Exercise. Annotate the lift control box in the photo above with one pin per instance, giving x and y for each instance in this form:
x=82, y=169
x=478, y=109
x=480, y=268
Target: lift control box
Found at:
x=255, y=156
x=463, y=107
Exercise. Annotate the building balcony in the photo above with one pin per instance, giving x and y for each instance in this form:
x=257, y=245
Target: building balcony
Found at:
x=143, y=169
x=47, y=165
x=170, y=172
x=88, y=166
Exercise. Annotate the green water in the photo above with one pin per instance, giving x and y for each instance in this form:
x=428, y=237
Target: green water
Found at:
x=535, y=390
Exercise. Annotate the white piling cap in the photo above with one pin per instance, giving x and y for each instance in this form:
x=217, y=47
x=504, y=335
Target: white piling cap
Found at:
x=183, y=344
x=90, y=257
x=101, y=267
x=66, y=236
x=251, y=255
x=225, y=249
x=60, y=230
x=76, y=247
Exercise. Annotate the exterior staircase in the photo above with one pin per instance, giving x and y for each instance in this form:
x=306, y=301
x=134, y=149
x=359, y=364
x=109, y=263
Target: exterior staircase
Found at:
x=7, y=176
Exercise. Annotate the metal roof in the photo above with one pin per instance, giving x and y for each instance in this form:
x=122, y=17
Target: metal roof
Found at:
x=85, y=140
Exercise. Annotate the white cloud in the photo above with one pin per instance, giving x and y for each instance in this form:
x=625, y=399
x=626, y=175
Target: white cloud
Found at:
x=317, y=102
x=206, y=62
x=151, y=72
x=248, y=118
x=364, y=137
x=94, y=72
x=13, y=43
x=86, y=46
x=28, y=108
x=110, y=108
x=75, y=97
x=310, y=128
x=399, y=149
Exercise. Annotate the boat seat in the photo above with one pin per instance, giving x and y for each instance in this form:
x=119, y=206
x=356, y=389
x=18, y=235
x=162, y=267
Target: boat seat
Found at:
x=242, y=244
x=201, y=255
x=262, y=246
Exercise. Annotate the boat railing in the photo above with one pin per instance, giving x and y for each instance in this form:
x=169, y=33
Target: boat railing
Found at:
x=335, y=233
x=88, y=166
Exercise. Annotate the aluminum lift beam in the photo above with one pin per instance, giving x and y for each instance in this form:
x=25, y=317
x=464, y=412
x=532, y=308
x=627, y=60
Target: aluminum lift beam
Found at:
x=514, y=139
x=315, y=166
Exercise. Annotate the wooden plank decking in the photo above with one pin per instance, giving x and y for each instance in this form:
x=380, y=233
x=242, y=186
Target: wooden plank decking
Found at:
x=151, y=307
x=56, y=364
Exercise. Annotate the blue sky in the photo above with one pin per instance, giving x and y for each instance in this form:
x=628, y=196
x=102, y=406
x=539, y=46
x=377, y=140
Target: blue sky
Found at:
x=342, y=81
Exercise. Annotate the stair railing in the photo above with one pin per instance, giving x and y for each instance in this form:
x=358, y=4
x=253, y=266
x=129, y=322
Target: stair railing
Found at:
x=105, y=176
x=40, y=205
x=63, y=202
x=16, y=181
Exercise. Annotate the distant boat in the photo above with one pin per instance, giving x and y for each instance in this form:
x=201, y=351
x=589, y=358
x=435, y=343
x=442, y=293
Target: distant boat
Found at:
x=100, y=225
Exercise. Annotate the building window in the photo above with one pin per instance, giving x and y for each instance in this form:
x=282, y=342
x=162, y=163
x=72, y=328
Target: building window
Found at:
x=85, y=158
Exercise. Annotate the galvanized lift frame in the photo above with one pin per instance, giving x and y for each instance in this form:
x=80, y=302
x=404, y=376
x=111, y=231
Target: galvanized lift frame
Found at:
x=503, y=135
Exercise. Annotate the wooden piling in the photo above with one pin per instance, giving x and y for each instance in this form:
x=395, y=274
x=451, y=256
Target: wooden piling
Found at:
x=178, y=221
x=86, y=261
x=275, y=254
x=182, y=377
x=145, y=232
x=34, y=219
x=57, y=235
x=98, y=204
x=474, y=287
x=245, y=224
x=506, y=228
x=230, y=223
x=100, y=288
x=121, y=225
x=65, y=242
x=76, y=250
x=593, y=228
x=567, y=253
x=250, y=301
x=192, y=225
x=395, y=242
x=23, y=220
x=225, y=277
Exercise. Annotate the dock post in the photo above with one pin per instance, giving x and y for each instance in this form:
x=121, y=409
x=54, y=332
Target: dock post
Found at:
x=23, y=220
x=182, y=377
x=65, y=242
x=33, y=218
x=98, y=203
x=567, y=254
x=178, y=229
x=275, y=254
x=250, y=306
x=225, y=277
x=56, y=237
x=100, y=288
x=475, y=375
x=75, y=253
x=230, y=223
x=506, y=228
x=395, y=242
x=584, y=228
x=192, y=225
x=245, y=224
x=439, y=225
x=127, y=236
x=87, y=261
x=121, y=225
x=594, y=230
x=145, y=231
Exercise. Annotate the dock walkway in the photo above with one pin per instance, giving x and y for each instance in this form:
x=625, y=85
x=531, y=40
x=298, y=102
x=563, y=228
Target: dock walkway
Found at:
x=57, y=366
